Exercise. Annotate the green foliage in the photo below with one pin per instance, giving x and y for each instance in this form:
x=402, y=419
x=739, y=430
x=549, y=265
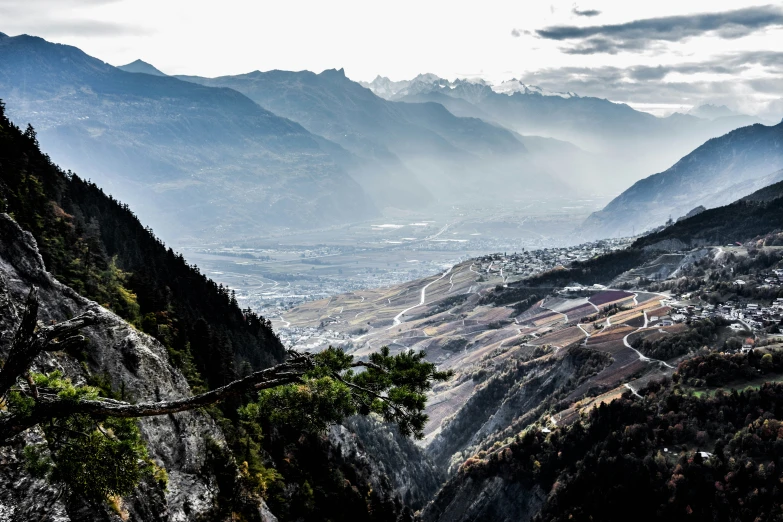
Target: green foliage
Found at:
x=310, y=406
x=95, y=458
x=305, y=480
x=392, y=386
x=405, y=378
x=20, y=404
x=261, y=480
x=718, y=369
x=99, y=459
x=38, y=461
x=290, y=464
x=161, y=476
x=55, y=381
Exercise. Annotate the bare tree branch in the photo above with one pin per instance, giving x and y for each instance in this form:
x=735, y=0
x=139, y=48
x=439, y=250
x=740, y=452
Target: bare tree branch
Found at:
x=28, y=342
x=366, y=364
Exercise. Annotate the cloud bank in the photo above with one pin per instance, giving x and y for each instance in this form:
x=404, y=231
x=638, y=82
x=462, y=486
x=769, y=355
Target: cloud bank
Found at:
x=716, y=80
x=642, y=34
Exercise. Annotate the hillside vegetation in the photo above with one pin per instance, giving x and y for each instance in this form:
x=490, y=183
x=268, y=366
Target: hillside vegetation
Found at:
x=668, y=455
x=96, y=245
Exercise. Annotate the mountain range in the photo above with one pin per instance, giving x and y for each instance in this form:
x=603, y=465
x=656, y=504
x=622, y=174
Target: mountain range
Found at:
x=422, y=148
x=191, y=160
x=629, y=143
x=246, y=155
x=197, y=158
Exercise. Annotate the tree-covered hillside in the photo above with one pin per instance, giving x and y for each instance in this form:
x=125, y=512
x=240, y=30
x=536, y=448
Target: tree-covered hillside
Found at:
x=678, y=451
x=96, y=245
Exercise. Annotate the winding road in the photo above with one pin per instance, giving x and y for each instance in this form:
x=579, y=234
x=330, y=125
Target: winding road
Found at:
x=643, y=357
x=627, y=385
x=397, y=318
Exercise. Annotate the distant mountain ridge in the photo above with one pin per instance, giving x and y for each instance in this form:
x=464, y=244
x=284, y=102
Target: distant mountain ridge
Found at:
x=632, y=143
x=716, y=173
x=386, y=88
x=750, y=217
x=424, y=146
x=190, y=160
x=711, y=111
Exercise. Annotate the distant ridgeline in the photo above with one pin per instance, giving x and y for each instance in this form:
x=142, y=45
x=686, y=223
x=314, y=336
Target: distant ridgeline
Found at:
x=96, y=245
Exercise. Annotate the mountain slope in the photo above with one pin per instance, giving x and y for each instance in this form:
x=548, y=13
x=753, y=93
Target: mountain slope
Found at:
x=118, y=357
x=666, y=452
x=720, y=171
x=755, y=215
x=191, y=160
x=97, y=246
x=421, y=143
x=180, y=331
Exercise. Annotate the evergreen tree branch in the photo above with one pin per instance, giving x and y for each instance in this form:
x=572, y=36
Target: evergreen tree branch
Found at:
x=47, y=404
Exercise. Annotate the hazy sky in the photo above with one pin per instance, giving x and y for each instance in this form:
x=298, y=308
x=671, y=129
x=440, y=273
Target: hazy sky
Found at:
x=658, y=56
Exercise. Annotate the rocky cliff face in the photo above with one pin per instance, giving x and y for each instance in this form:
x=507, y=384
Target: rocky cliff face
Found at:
x=401, y=477
x=411, y=476
x=129, y=360
x=509, y=400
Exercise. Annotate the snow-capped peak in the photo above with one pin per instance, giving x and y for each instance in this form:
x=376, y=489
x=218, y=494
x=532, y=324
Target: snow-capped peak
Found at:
x=513, y=85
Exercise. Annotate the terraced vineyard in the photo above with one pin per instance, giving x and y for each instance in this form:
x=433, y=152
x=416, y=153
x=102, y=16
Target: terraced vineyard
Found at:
x=442, y=315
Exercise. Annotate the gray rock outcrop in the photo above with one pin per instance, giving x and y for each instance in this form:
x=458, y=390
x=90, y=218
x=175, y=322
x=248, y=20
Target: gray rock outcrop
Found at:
x=125, y=357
